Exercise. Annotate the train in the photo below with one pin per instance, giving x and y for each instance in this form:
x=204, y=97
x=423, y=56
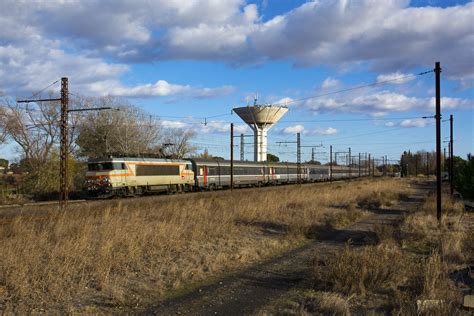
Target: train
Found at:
x=130, y=176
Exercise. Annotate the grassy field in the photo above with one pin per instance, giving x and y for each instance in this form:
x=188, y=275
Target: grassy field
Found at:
x=132, y=253
x=417, y=268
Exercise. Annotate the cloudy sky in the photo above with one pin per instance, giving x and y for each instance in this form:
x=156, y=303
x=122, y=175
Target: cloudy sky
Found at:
x=192, y=61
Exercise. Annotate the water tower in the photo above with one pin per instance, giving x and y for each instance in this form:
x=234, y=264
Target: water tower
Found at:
x=260, y=118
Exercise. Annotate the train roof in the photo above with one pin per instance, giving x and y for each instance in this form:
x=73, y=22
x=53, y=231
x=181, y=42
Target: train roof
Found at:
x=143, y=159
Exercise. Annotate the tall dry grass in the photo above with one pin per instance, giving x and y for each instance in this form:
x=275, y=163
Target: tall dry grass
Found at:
x=133, y=252
x=411, y=264
x=421, y=231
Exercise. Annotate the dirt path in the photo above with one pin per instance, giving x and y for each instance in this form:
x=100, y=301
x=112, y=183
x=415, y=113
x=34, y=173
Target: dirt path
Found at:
x=248, y=291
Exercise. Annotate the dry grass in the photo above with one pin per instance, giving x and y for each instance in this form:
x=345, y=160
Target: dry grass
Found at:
x=357, y=271
x=309, y=302
x=377, y=199
x=412, y=263
x=422, y=232
x=131, y=252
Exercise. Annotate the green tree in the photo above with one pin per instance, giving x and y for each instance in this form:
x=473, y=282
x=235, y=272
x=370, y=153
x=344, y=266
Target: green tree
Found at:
x=272, y=158
x=3, y=163
x=464, y=176
x=46, y=179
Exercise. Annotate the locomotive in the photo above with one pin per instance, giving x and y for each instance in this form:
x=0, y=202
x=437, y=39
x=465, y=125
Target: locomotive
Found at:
x=129, y=176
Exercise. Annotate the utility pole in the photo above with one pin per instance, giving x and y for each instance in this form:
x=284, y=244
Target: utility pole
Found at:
x=359, y=165
x=64, y=145
x=451, y=158
x=63, y=170
x=231, y=156
x=444, y=157
x=312, y=155
x=373, y=167
x=427, y=164
x=369, y=165
x=330, y=163
x=416, y=165
x=350, y=168
x=242, y=147
x=438, y=140
x=298, y=157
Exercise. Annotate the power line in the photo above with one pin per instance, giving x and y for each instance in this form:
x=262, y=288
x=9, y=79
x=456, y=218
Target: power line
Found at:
x=37, y=93
x=356, y=87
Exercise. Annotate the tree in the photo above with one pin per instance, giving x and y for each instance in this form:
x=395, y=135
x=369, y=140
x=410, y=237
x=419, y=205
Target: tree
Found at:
x=128, y=130
x=177, y=143
x=272, y=158
x=3, y=163
x=206, y=155
x=35, y=129
x=464, y=176
x=3, y=123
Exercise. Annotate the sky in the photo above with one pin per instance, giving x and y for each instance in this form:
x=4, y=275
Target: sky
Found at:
x=188, y=63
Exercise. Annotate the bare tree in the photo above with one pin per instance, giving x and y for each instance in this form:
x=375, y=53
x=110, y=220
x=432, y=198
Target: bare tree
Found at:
x=177, y=143
x=3, y=122
x=126, y=130
x=35, y=128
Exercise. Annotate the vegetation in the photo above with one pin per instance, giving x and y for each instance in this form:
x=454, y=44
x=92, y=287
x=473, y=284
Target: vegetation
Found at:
x=421, y=162
x=272, y=158
x=125, y=129
x=131, y=253
x=464, y=176
x=411, y=271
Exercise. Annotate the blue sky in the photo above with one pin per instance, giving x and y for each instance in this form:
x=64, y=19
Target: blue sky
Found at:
x=188, y=60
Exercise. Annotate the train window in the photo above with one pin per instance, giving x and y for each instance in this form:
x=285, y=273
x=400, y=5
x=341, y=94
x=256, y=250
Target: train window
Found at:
x=157, y=170
x=201, y=171
x=212, y=171
x=106, y=166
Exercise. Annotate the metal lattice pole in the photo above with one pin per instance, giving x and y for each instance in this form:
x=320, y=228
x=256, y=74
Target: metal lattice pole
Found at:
x=231, y=156
x=63, y=170
x=451, y=155
x=298, y=157
x=242, y=147
x=330, y=163
x=438, y=140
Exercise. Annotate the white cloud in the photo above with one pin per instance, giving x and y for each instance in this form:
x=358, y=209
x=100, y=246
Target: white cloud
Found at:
x=381, y=103
x=161, y=88
x=45, y=40
x=390, y=124
x=388, y=34
x=395, y=78
x=174, y=124
x=414, y=123
x=330, y=83
x=293, y=129
x=325, y=131
x=221, y=127
x=287, y=101
x=298, y=128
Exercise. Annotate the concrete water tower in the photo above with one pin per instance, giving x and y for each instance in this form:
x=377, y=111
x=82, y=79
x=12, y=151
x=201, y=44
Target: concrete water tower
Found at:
x=260, y=118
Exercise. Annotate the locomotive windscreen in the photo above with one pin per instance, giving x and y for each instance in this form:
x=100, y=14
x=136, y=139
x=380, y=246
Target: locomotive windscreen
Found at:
x=157, y=170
